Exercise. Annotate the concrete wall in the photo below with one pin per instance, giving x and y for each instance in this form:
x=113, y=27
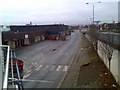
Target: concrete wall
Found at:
x=42, y=37
x=105, y=52
x=115, y=65
x=38, y=38
x=11, y=44
x=111, y=58
x=109, y=55
x=26, y=41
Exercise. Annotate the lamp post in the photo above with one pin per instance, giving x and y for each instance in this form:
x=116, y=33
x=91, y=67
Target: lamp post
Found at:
x=93, y=10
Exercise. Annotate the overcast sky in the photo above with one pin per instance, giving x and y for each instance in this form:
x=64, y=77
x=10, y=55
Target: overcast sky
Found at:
x=71, y=12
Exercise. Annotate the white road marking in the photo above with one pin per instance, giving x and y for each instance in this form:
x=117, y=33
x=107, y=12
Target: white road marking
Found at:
x=52, y=68
x=44, y=81
x=65, y=68
x=26, y=75
x=39, y=67
x=58, y=69
x=31, y=80
x=46, y=67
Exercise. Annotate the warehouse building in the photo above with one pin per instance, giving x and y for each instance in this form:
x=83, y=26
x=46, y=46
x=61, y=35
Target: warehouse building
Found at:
x=23, y=35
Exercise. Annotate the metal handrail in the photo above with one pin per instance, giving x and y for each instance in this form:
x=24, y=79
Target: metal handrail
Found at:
x=5, y=81
x=12, y=73
x=6, y=74
x=18, y=81
x=18, y=73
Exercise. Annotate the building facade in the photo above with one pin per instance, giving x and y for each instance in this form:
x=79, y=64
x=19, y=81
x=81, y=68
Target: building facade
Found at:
x=23, y=35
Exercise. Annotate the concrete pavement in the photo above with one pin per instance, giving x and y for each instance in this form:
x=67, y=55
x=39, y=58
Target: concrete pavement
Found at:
x=46, y=62
x=88, y=70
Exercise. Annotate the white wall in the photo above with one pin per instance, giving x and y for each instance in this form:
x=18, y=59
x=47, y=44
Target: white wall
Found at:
x=115, y=59
x=101, y=48
x=105, y=51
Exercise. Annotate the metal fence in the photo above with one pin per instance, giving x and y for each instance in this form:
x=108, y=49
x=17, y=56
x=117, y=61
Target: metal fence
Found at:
x=9, y=79
x=110, y=38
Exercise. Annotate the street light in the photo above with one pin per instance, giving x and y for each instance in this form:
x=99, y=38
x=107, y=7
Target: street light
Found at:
x=93, y=9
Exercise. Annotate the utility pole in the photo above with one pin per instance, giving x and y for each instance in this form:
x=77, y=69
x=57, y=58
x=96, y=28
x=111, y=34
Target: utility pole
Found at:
x=93, y=14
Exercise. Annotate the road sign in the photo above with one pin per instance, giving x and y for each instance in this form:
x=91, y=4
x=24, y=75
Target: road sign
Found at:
x=26, y=36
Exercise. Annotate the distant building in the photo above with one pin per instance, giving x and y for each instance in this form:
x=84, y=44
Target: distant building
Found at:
x=22, y=35
x=108, y=26
x=4, y=28
x=119, y=12
x=29, y=24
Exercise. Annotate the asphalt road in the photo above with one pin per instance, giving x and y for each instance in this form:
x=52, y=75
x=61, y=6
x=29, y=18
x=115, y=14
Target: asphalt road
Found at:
x=46, y=62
